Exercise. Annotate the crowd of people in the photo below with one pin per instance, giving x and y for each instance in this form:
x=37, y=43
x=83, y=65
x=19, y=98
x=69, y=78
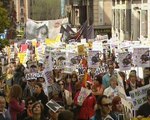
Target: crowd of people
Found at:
x=23, y=99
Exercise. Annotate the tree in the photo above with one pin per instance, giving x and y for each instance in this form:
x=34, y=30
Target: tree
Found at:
x=4, y=19
x=46, y=9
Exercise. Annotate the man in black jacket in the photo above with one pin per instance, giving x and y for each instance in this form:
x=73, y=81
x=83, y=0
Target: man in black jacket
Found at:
x=104, y=110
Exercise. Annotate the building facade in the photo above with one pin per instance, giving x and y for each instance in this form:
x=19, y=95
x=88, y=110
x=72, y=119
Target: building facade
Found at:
x=97, y=12
x=131, y=19
x=21, y=7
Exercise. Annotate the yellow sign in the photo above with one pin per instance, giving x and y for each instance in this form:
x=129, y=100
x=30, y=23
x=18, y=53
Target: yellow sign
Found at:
x=34, y=43
x=21, y=57
x=141, y=119
x=81, y=49
x=51, y=42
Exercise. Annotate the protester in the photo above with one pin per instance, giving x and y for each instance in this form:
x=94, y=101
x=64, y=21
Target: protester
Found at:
x=144, y=110
x=4, y=113
x=98, y=88
x=113, y=89
x=103, y=111
x=118, y=109
x=107, y=76
x=28, y=111
x=29, y=88
x=41, y=96
x=86, y=110
x=16, y=105
x=132, y=83
x=146, y=75
x=37, y=111
x=123, y=76
x=65, y=115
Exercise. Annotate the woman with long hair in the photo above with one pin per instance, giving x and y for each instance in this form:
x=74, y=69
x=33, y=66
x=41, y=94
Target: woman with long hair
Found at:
x=37, y=112
x=41, y=96
x=16, y=106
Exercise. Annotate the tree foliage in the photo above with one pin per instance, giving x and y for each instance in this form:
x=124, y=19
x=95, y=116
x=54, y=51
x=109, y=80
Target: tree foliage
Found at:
x=4, y=19
x=3, y=43
x=46, y=9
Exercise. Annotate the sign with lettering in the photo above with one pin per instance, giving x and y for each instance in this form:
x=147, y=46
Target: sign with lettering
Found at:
x=139, y=96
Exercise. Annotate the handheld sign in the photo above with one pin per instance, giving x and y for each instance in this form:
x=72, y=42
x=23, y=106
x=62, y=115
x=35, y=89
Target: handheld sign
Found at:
x=54, y=106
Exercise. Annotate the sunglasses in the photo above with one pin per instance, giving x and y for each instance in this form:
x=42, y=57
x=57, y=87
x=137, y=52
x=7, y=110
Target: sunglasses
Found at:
x=106, y=105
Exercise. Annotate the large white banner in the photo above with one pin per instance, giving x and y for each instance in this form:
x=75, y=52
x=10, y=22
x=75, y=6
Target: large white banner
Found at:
x=54, y=27
x=36, y=29
x=44, y=29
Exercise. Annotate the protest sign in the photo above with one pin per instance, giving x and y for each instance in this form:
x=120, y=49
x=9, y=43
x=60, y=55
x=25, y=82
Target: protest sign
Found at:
x=125, y=61
x=84, y=93
x=31, y=76
x=139, y=96
x=73, y=58
x=127, y=108
x=97, y=46
x=141, y=57
x=21, y=57
x=24, y=47
x=47, y=75
x=53, y=105
x=93, y=59
x=48, y=63
x=53, y=89
x=81, y=50
x=59, y=57
x=69, y=69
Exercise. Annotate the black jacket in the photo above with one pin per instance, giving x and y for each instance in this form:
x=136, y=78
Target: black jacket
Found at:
x=98, y=116
x=44, y=99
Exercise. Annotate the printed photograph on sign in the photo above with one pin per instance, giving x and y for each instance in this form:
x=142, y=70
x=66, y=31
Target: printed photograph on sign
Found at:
x=58, y=58
x=125, y=60
x=53, y=105
x=93, y=59
x=141, y=57
x=74, y=58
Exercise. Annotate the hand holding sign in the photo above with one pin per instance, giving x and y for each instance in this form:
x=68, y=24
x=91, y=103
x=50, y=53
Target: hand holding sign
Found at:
x=54, y=106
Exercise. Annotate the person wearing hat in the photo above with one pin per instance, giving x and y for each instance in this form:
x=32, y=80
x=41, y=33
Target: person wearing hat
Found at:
x=144, y=110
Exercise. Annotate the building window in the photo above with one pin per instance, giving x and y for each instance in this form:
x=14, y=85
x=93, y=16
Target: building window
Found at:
x=21, y=2
x=123, y=19
x=22, y=20
x=123, y=1
x=21, y=11
x=113, y=23
x=144, y=23
x=128, y=24
x=144, y=1
x=118, y=1
x=113, y=2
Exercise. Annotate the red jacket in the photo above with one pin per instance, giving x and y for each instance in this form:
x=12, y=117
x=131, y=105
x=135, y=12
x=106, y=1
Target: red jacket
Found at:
x=15, y=108
x=87, y=108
